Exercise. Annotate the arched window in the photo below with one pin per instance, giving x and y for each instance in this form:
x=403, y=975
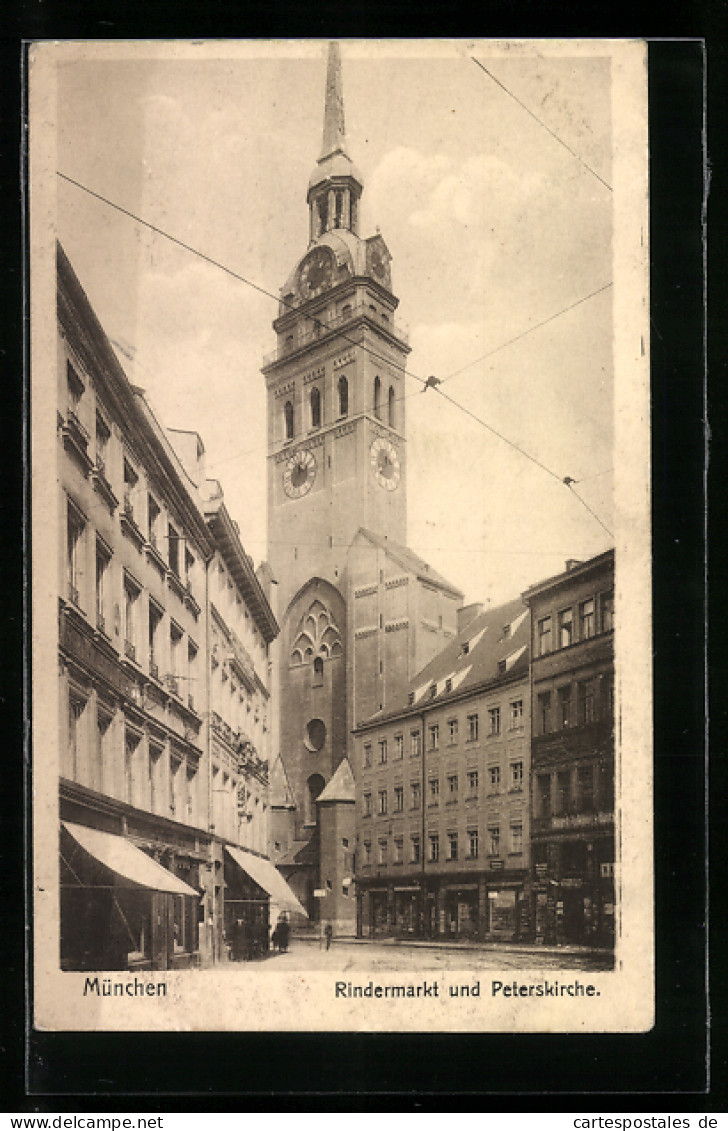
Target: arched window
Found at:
x=315, y=786
x=343, y=396
x=346, y=311
x=377, y=398
x=318, y=672
x=315, y=408
x=288, y=419
x=390, y=407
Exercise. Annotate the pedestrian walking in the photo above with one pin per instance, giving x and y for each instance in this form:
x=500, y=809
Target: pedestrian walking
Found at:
x=329, y=934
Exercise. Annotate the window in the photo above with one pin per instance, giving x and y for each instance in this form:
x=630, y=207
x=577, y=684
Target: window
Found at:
x=155, y=619
x=605, y=787
x=434, y=847
x=433, y=737
x=448, y=685
x=382, y=852
x=434, y=788
x=414, y=849
x=382, y=807
x=411, y=698
x=367, y=853
x=516, y=714
x=153, y=515
x=563, y=791
x=415, y=795
x=494, y=776
x=343, y=396
x=586, y=619
x=315, y=403
x=543, y=643
x=103, y=561
x=516, y=838
x=175, y=658
x=192, y=674
x=433, y=690
x=190, y=573
x=367, y=805
x=606, y=602
x=367, y=757
x=132, y=743
x=103, y=751
x=473, y=844
x=585, y=788
x=318, y=672
x=544, y=712
x=391, y=402
x=494, y=720
x=174, y=546
x=585, y=702
x=472, y=783
x=516, y=775
x=131, y=481
x=398, y=798
x=288, y=420
x=543, y=792
x=398, y=747
x=131, y=604
x=76, y=707
x=452, y=846
x=472, y=728
x=377, y=398
x=75, y=545
x=382, y=751
x=103, y=435
x=566, y=628
x=607, y=697
x=415, y=743
x=76, y=387
x=452, y=787
x=564, y=699
x=502, y=667
x=452, y=727
x=398, y=850
x=494, y=839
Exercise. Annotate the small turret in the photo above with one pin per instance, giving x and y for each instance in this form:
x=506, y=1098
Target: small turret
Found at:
x=335, y=186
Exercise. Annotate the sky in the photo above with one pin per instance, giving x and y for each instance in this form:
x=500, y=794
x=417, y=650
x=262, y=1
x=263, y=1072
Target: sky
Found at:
x=494, y=224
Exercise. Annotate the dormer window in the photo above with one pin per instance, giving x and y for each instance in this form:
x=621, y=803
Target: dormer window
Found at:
x=411, y=698
x=466, y=647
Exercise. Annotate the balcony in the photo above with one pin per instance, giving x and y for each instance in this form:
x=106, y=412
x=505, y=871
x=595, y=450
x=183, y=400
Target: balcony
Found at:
x=360, y=311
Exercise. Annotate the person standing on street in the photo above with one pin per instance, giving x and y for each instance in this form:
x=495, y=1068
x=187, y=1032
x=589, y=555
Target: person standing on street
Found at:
x=329, y=933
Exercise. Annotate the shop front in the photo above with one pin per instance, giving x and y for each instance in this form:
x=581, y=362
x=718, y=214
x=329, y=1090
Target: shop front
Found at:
x=378, y=918
x=120, y=909
x=462, y=917
x=256, y=896
x=407, y=912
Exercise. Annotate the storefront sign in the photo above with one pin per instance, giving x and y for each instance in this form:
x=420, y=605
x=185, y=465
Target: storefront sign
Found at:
x=496, y=865
x=581, y=820
x=319, y=893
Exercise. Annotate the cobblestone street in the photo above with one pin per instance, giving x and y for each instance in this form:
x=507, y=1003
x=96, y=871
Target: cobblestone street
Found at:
x=343, y=957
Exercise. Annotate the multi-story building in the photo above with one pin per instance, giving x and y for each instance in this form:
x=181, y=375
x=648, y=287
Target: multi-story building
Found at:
x=146, y=808
x=442, y=791
x=572, y=753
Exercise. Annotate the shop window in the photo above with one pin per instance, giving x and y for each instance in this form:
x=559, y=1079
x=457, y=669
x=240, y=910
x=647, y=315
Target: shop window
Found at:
x=566, y=628
x=494, y=721
x=586, y=619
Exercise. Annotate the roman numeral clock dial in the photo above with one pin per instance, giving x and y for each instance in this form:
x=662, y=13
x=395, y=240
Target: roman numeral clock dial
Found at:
x=299, y=473
x=385, y=463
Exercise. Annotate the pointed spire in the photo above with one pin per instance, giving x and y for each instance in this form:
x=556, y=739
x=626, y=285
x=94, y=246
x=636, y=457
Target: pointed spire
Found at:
x=334, y=128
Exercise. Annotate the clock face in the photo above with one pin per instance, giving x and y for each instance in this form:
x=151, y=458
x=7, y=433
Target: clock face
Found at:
x=385, y=463
x=316, y=273
x=299, y=474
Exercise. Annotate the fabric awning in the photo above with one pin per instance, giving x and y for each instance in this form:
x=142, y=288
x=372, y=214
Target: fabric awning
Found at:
x=267, y=877
x=125, y=859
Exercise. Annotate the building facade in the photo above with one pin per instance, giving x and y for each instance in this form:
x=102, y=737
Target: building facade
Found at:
x=572, y=753
x=337, y=506
x=153, y=784
x=442, y=792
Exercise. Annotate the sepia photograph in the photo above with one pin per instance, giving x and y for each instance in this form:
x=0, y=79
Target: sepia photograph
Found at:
x=340, y=421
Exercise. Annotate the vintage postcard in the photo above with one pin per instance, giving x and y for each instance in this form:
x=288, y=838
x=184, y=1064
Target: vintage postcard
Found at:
x=341, y=536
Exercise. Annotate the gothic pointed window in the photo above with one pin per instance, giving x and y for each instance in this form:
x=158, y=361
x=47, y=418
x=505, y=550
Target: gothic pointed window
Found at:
x=377, y=398
x=390, y=407
x=288, y=420
x=315, y=408
x=343, y=396
x=318, y=672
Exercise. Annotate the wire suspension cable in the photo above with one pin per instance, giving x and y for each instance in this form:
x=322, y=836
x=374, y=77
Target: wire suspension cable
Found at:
x=543, y=124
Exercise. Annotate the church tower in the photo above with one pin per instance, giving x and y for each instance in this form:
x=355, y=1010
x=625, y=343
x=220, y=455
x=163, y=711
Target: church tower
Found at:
x=358, y=612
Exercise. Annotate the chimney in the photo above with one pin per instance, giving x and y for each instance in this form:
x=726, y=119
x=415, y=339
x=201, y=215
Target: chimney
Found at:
x=468, y=613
